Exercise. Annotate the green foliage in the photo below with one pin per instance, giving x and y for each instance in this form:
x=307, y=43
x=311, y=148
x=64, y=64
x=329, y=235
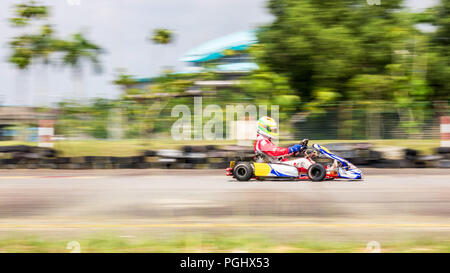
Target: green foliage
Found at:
x=264, y=86
x=439, y=51
x=322, y=97
x=326, y=43
x=162, y=36
x=79, y=48
x=75, y=119
x=25, y=47
x=22, y=51
x=365, y=55
x=229, y=52
x=42, y=44
x=125, y=80
x=26, y=11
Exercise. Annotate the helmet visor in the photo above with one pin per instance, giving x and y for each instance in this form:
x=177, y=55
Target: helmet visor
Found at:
x=273, y=130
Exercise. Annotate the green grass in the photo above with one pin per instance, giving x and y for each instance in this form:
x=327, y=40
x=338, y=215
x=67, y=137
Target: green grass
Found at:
x=213, y=243
x=134, y=147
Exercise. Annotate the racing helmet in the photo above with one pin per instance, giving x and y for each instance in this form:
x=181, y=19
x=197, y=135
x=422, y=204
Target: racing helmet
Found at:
x=267, y=127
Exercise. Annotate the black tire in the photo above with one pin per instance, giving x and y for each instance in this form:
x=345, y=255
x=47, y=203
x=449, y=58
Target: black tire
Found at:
x=243, y=171
x=316, y=172
x=443, y=150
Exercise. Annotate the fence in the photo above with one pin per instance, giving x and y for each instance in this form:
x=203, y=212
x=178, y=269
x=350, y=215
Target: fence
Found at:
x=380, y=121
x=340, y=120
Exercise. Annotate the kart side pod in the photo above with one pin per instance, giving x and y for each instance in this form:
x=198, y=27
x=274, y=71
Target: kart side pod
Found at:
x=275, y=170
x=244, y=171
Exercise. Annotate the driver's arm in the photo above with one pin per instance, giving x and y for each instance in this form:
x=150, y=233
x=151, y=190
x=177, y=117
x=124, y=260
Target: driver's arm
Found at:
x=271, y=149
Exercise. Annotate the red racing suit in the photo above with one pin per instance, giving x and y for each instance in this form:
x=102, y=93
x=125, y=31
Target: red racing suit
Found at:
x=265, y=145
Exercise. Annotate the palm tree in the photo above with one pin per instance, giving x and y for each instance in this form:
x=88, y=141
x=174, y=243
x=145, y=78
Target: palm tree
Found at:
x=43, y=45
x=162, y=36
x=21, y=57
x=23, y=46
x=22, y=51
x=27, y=11
x=76, y=51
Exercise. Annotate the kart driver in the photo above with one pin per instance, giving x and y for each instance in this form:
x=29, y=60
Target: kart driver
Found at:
x=267, y=130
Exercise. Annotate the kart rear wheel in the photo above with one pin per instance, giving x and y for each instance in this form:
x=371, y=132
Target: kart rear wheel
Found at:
x=317, y=172
x=243, y=171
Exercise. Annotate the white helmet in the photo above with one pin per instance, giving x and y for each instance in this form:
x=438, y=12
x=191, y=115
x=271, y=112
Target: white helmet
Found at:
x=267, y=127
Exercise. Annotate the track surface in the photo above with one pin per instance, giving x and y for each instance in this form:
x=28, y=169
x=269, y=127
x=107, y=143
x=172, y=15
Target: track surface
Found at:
x=411, y=200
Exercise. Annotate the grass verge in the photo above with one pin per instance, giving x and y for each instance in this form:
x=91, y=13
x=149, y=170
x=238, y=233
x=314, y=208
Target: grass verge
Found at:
x=213, y=243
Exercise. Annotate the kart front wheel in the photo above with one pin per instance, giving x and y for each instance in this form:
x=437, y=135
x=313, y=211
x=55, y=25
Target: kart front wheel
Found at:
x=243, y=171
x=317, y=172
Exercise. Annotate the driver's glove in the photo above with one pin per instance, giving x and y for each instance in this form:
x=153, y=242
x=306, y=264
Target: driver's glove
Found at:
x=296, y=148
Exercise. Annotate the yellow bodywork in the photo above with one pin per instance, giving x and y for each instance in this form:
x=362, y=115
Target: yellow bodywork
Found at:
x=232, y=163
x=262, y=169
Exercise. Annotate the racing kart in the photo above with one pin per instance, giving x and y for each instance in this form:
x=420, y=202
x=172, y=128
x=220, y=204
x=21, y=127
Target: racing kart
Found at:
x=261, y=169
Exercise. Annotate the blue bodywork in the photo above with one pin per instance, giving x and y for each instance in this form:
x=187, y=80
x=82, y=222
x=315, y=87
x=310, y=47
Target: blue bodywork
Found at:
x=348, y=170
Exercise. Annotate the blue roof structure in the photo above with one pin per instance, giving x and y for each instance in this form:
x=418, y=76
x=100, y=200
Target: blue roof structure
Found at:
x=143, y=80
x=236, y=67
x=214, y=49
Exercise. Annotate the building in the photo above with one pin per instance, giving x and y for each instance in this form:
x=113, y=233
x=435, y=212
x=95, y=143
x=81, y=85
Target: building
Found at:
x=226, y=56
x=21, y=123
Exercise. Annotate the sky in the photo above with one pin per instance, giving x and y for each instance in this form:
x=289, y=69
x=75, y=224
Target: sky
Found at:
x=122, y=28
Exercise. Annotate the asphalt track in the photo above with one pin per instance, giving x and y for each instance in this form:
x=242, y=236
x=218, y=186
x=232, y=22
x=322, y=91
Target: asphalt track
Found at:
x=388, y=200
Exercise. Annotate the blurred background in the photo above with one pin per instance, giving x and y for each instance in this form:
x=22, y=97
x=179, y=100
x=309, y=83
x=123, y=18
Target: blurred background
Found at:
x=91, y=85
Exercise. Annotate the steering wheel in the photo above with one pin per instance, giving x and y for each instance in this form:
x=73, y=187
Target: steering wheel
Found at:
x=304, y=143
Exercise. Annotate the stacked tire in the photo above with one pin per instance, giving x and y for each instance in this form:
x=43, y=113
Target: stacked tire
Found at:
x=444, y=152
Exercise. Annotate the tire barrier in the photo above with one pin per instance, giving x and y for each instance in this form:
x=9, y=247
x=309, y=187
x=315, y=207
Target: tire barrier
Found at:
x=210, y=157
x=444, y=153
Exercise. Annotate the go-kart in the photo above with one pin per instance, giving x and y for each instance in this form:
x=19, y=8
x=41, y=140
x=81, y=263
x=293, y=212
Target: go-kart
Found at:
x=261, y=169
